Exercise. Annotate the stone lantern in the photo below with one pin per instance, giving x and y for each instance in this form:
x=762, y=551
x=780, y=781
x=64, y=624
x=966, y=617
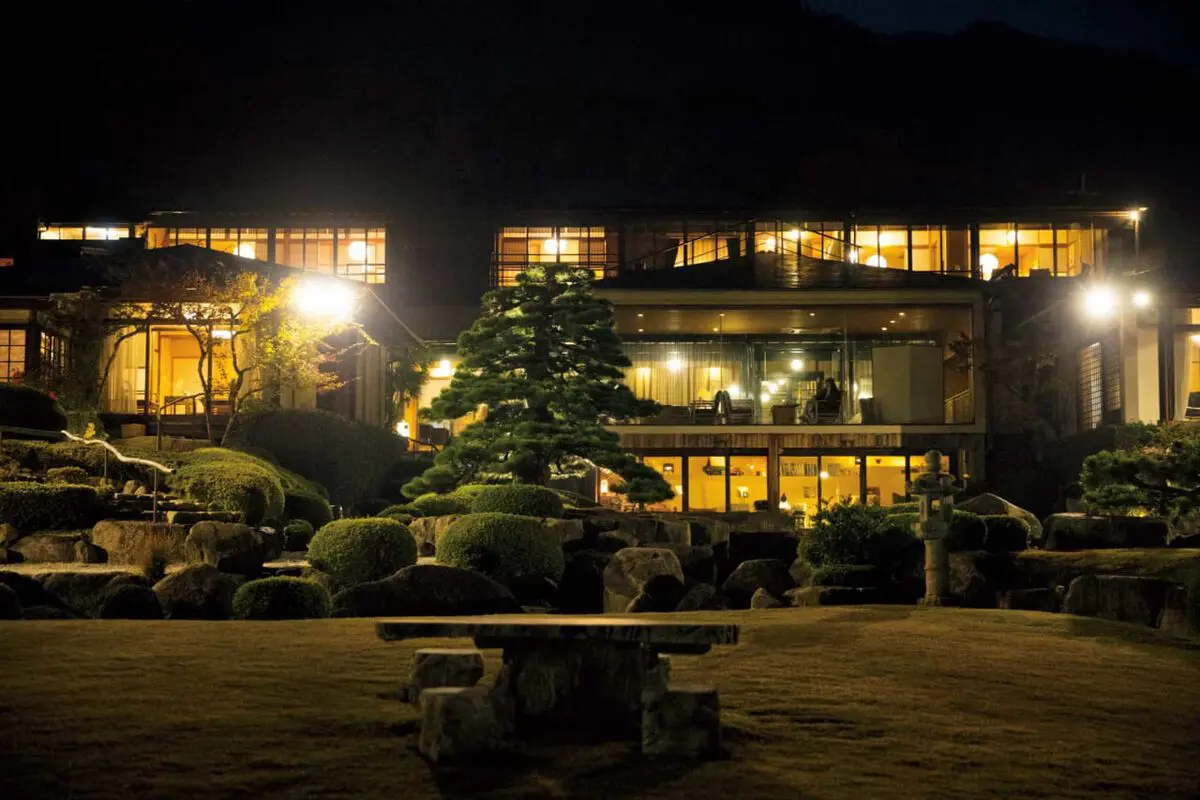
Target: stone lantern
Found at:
x=935, y=490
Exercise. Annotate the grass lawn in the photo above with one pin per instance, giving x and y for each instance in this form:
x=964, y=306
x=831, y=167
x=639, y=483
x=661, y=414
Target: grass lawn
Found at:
x=827, y=702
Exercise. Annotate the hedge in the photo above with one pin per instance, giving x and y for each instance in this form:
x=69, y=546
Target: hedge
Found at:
x=48, y=506
x=439, y=505
x=297, y=534
x=26, y=407
x=230, y=481
x=353, y=460
x=967, y=531
x=404, y=509
x=524, y=499
x=855, y=575
x=281, y=598
x=856, y=534
x=513, y=550
x=1005, y=533
x=77, y=475
x=903, y=508
x=354, y=551
x=469, y=491
x=307, y=507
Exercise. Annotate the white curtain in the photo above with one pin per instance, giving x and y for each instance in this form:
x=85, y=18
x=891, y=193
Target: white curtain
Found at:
x=126, y=377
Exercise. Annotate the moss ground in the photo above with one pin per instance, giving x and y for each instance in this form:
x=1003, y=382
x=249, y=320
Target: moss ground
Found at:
x=823, y=703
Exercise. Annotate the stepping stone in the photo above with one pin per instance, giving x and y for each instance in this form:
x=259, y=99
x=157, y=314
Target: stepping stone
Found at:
x=684, y=722
x=459, y=723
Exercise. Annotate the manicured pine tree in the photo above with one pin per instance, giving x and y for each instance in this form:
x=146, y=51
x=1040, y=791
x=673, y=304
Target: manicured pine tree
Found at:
x=545, y=360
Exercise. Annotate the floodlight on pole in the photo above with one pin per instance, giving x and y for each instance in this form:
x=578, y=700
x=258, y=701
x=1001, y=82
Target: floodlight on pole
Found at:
x=1099, y=302
x=325, y=298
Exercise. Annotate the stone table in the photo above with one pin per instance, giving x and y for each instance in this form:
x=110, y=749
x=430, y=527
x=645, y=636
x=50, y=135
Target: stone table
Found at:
x=582, y=675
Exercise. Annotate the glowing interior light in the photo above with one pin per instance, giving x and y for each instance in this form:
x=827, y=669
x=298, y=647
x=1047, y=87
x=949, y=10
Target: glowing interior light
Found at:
x=852, y=256
x=1135, y=214
x=988, y=264
x=553, y=246
x=824, y=475
x=222, y=334
x=443, y=369
x=797, y=365
x=735, y=391
x=643, y=370
x=641, y=330
x=877, y=261
x=1196, y=338
x=245, y=250
x=679, y=489
x=358, y=251
x=333, y=299
x=769, y=244
x=403, y=429
x=1141, y=299
x=714, y=372
x=766, y=398
x=603, y=486
x=1099, y=301
x=792, y=235
x=674, y=365
x=772, y=387
x=901, y=314
x=1011, y=237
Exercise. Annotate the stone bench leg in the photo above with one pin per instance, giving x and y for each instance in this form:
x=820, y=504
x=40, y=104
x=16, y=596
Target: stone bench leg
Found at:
x=441, y=667
x=681, y=722
x=458, y=723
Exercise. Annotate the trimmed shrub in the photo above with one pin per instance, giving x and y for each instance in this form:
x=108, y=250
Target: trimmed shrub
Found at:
x=967, y=531
x=514, y=550
x=403, y=510
x=77, y=475
x=297, y=534
x=903, y=508
x=1005, y=533
x=307, y=506
x=439, y=505
x=856, y=575
x=864, y=535
x=351, y=459
x=523, y=499
x=230, y=481
x=469, y=491
x=281, y=598
x=48, y=506
x=26, y=407
x=574, y=500
x=353, y=551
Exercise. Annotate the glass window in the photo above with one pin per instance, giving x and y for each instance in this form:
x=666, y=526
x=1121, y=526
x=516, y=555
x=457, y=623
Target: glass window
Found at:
x=886, y=480
x=305, y=248
x=58, y=232
x=840, y=479
x=882, y=246
x=243, y=242
x=1091, y=388
x=706, y=483
x=159, y=237
x=106, y=233
x=927, y=248
x=687, y=375
x=361, y=254
x=957, y=244
x=518, y=247
x=12, y=354
x=799, y=487
x=1035, y=249
x=748, y=483
x=671, y=468
x=1075, y=248
x=997, y=249
x=53, y=353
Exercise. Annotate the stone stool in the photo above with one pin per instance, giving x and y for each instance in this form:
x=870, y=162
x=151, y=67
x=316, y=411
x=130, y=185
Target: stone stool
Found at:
x=681, y=722
x=439, y=667
x=461, y=722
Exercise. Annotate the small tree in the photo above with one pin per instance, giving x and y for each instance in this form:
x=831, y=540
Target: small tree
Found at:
x=642, y=484
x=545, y=362
x=1154, y=469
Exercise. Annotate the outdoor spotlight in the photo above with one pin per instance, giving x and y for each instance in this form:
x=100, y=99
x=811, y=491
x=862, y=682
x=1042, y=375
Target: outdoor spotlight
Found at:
x=1099, y=302
x=1141, y=299
x=324, y=297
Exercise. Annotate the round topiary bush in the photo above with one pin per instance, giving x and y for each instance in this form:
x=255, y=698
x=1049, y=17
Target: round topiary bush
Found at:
x=439, y=505
x=1005, y=533
x=468, y=491
x=404, y=512
x=524, y=499
x=230, y=481
x=855, y=575
x=281, y=598
x=866, y=535
x=514, y=550
x=308, y=506
x=297, y=534
x=48, y=506
x=25, y=407
x=967, y=531
x=354, y=551
x=77, y=475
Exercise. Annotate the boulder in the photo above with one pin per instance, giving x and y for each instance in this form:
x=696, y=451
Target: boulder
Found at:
x=988, y=504
x=682, y=723
x=1174, y=617
x=46, y=548
x=612, y=541
x=229, y=546
x=83, y=592
x=29, y=590
x=698, y=562
x=133, y=541
x=130, y=487
x=707, y=531
x=764, y=599
x=648, y=529
x=801, y=571
x=761, y=522
x=567, y=530
x=830, y=596
x=750, y=546
x=427, y=531
x=1122, y=598
x=969, y=584
x=8, y=534
x=462, y=724
x=703, y=597
x=10, y=604
x=595, y=520
x=660, y=593
x=760, y=573
x=272, y=543
x=130, y=601
x=46, y=612
x=198, y=591
x=581, y=590
x=1085, y=532
x=1045, y=599
x=631, y=569
x=426, y=590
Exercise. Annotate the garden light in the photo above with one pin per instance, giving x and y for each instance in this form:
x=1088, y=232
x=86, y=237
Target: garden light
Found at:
x=330, y=299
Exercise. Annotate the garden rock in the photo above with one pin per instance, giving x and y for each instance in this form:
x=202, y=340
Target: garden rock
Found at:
x=10, y=604
x=750, y=576
x=1122, y=598
x=595, y=520
x=427, y=531
x=1085, y=532
x=969, y=584
x=567, y=530
x=988, y=504
x=613, y=541
x=1185, y=540
x=764, y=599
x=29, y=590
x=132, y=541
x=1174, y=617
x=426, y=590
x=272, y=543
x=682, y=722
x=459, y=723
x=707, y=531
x=631, y=569
x=1044, y=599
x=831, y=596
x=801, y=571
x=581, y=590
x=703, y=597
x=199, y=591
x=751, y=546
x=435, y=668
x=61, y=548
x=229, y=546
x=83, y=592
x=130, y=601
x=8, y=534
x=46, y=612
x=660, y=593
x=698, y=562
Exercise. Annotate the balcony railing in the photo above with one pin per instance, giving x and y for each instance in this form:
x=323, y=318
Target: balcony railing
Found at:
x=960, y=409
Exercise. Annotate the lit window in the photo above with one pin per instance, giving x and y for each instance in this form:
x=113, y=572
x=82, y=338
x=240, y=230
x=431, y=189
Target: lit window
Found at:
x=12, y=354
x=362, y=254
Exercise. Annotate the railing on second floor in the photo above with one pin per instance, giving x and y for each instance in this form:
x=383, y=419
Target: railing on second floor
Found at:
x=960, y=408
